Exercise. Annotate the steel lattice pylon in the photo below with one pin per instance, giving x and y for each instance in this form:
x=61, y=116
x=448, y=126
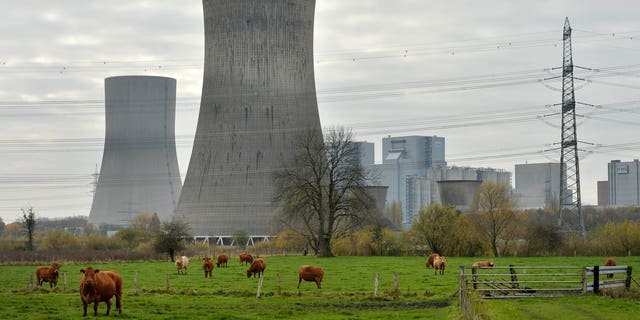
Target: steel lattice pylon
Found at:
x=570, y=217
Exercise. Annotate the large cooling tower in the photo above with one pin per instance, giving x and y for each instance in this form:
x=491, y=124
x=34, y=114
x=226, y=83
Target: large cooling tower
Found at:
x=139, y=172
x=458, y=193
x=258, y=93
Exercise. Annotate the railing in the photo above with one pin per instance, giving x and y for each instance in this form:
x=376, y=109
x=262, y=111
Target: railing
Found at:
x=534, y=281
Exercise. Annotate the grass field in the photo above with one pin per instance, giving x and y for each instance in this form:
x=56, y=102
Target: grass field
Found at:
x=347, y=292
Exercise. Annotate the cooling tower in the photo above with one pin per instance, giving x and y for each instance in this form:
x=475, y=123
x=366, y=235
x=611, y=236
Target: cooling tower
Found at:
x=258, y=94
x=139, y=172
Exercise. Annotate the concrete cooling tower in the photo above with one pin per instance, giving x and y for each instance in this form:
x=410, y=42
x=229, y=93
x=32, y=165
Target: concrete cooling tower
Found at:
x=258, y=94
x=139, y=171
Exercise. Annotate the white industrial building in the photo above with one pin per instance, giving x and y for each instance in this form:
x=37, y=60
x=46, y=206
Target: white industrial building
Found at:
x=537, y=185
x=624, y=183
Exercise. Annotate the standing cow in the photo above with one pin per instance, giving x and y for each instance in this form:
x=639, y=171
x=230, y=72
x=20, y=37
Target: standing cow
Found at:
x=207, y=265
x=257, y=267
x=182, y=263
x=223, y=258
x=246, y=258
x=310, y=273
x=97, y=286
x=48, y=274
x=610, y=262
x=439, y=263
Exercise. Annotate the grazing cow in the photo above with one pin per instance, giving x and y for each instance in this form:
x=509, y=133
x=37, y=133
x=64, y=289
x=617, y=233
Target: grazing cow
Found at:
x=610, y=262
x=97, y=286
x=483, y=264
x=257, y=267
x=207, y=265
x=439, y=263
x=310, y=273
x=223, y=258
x=182, y=263
x=48, y=274
x=246, y=258
x=430, y=260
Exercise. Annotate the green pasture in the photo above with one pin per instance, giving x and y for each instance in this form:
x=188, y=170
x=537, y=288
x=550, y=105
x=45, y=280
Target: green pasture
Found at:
x=347, y=291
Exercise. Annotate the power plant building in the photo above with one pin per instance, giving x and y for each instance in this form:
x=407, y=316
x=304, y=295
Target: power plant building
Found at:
x=624, y=183
x=258, y=95
x=139, y=171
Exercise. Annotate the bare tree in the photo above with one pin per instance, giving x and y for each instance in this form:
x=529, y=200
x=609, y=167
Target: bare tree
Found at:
x=170, y=238
x=494, y=210
x=29, y=224
x=322, y=191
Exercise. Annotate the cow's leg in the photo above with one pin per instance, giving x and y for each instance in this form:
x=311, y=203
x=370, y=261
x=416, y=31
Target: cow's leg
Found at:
x=299, y=280
x=95, y=308
x=318, y=283
x=84, y=307
x=108, y=302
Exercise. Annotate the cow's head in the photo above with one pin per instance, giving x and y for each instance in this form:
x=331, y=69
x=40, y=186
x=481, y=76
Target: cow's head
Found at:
x=490, y=263
x=89, y=276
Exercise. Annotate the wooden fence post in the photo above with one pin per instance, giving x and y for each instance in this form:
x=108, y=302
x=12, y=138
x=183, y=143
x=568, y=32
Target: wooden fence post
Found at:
x=135, y=282
x=474, y=272
x=514, y=277
x=168, y=282
x=64, y=279
x=259, y=286
x=461, y=285
x=278, y=281
x=584, y=280
x=627, y=282
x=396, y=285
x=375, y=288
x=31, y=283
x=596, y=279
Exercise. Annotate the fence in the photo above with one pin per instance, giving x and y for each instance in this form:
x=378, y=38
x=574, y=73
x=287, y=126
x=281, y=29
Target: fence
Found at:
x=535, y=281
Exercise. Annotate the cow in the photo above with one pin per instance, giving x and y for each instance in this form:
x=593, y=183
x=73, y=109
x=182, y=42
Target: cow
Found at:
x=48, y=274
x=439, y=263
x=483, y=264
x=430, y=260
x=257, y=267
x=97, y=286
x=610, y=262
x=182, y=263
x=310, y=273
x=223, y=258
x=207, y=265
x=246, y=258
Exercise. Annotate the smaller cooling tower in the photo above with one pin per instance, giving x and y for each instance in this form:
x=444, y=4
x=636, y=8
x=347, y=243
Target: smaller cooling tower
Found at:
x=139, y=171
x=379, y=195
x=458, y=193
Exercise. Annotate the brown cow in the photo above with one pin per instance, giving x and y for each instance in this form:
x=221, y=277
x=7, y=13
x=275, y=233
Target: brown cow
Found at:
x=222, y=260
x=48, y=274
x=430, y=260
x=439, y=263
x=207, y=265
x=257, y=267
x=96, y=286
x=610, y=262
x=310, y=273
x=182, y=263
x=246, y=258
x=483, y=264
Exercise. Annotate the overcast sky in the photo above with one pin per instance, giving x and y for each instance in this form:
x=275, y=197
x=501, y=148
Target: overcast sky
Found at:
x=470, y=71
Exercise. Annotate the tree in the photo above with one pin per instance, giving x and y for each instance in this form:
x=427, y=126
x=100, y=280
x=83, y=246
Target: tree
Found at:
x=29, y=225
x=240, y=237
x=435, y=226
x=494, y=211
x=2, y=226
x=58, y=240
x=322, y=190
x=170, y=238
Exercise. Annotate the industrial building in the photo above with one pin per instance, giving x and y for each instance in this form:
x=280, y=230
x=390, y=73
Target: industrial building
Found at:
x=139, y=171
x=258, y=96
x=624, y=183
x=537, y=185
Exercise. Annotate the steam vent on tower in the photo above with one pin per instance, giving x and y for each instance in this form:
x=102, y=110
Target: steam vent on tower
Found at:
x=139, y=172
x=258, y=94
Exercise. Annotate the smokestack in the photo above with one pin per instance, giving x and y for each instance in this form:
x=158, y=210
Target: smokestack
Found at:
x=139, y=171
x=258, y=94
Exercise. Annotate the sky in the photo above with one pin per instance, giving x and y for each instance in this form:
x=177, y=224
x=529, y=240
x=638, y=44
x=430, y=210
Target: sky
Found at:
x=481, y=74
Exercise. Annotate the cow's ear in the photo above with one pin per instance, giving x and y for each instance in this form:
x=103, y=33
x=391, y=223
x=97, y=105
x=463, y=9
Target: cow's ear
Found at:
x=82, y=270
x=96, y=270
